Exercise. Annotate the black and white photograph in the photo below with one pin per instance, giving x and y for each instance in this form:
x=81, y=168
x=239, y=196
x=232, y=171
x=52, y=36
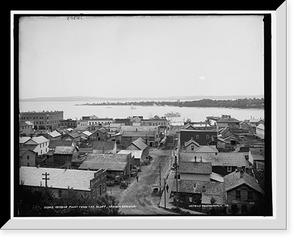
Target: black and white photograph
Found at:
x=163, y=115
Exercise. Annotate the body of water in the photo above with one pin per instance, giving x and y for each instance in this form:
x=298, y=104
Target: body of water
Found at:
x=195, y=114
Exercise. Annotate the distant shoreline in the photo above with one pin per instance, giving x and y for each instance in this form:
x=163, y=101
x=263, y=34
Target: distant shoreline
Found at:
x=205, y=103
x=137, y=99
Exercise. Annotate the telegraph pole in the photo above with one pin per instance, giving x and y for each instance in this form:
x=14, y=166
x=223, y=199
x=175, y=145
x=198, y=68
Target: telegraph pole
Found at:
x=165, y=181
x=46, y=178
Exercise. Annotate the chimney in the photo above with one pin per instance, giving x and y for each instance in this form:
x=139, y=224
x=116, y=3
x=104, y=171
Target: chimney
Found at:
x=241, y=174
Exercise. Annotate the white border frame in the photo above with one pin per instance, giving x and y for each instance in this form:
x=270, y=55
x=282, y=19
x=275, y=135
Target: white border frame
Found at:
x=279, y=152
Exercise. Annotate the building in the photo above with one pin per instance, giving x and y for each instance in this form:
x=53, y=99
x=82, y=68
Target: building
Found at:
x=139, y=144
x=104, y=147
x=62, y=156
x=99, y=134
x=222, y=163
x=149, y=134
x=68, y=123
x=257, y=158
x=27, y=157
x=45, y=120
x=55, y=135
x=193, y=146
x=202, y=137
x=195, y=171
x=114, y=164
x=199, y=195
x=243, y=194
x=260, y=131
x=54, y=143
x=227, y=121
x=125, y=121
x=25, y=129
x=136, y=155
x=99, y=121
x=37, y=144
x=88, y=184
x=155, y=121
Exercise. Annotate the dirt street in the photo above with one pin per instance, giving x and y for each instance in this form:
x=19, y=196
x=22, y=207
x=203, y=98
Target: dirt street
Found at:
x=137, y=198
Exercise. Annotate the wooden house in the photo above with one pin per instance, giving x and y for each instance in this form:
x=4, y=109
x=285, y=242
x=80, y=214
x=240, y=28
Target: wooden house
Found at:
x=243, y=194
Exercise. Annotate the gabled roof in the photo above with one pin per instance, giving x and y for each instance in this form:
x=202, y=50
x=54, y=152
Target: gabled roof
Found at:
x=59, y=178
x=140, y=144
x=64, y=150
x=191, y=141
x=23, y=139
x=234, y=180
x=37, y=140
x=261, y=126
x=24, y=151
x=195, y=168
x=54, y=134
x=257, y=153
x=87, y=133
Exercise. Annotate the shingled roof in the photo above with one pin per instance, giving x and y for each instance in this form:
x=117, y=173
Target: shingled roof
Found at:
x=110, y=162
x=207, y=188
x=235, y=179
x=103, y=145
x=217, y=159
x=195, y=168
x=140, y=144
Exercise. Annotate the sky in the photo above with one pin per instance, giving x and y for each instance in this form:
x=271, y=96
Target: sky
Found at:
x=140, y=56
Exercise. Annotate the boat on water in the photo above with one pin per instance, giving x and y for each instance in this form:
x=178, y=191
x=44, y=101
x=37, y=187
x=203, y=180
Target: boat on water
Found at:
x=172, y=114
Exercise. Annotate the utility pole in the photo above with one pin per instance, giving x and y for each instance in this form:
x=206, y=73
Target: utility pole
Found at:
x=159, y=166
x=46, y=178
x=165, y=181
x=176, y=176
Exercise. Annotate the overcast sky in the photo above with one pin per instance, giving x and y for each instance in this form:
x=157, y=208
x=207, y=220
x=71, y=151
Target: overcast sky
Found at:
x=141, y=56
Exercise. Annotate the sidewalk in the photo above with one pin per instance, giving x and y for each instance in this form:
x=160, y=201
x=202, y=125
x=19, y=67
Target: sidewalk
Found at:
x=169, y=176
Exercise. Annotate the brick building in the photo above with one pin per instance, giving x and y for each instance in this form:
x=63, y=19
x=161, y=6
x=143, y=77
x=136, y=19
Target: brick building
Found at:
x=44, y=120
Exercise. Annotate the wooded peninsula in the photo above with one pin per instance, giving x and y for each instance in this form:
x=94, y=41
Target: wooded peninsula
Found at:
x=246, y=103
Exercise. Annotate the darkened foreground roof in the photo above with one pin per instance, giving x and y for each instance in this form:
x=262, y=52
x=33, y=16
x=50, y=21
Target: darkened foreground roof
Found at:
x=207, y=188
x=235, y=179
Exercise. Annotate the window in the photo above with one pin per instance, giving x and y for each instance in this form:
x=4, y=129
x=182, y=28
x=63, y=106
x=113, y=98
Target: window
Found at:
x=207, y=136
x=192, y=147
x=250, y=195
x=27, y=156
x=229, y=168
x=238, y=195
x=197, y=136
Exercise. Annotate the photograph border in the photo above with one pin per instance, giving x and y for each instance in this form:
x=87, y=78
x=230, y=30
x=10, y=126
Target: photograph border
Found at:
x=186, y=222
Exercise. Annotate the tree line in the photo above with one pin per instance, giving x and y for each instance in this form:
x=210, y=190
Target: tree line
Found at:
x=237, y=103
